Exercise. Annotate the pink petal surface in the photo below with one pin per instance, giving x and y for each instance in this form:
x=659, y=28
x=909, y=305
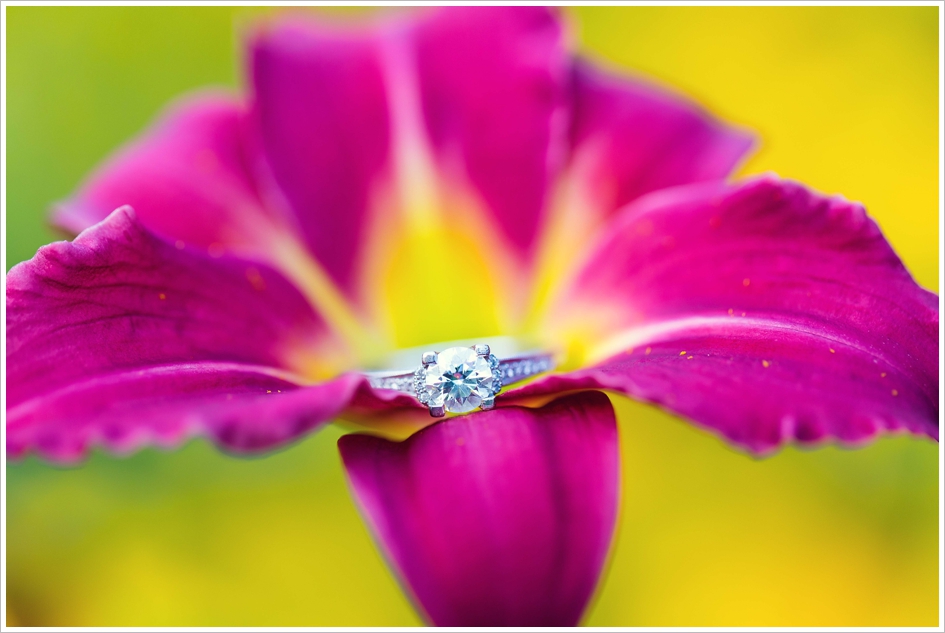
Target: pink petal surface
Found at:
x=630, y=137
x=243, y=408
x=355, y=122
x=493, y=83
x=497, y=518
x=120, y=335
x=320, y=111
x=763, y=311
x=627, y=137
x=189, y=177
x=468, y=114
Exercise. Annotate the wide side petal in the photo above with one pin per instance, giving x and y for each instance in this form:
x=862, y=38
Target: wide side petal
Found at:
x=188, y=177
x=120, y=323
x=764, y=311
x=498, y=518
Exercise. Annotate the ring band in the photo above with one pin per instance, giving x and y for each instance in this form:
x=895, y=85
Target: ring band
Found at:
x=460, y=379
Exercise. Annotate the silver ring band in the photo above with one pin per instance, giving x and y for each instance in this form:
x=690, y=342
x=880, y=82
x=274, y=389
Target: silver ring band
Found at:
x=460, y=379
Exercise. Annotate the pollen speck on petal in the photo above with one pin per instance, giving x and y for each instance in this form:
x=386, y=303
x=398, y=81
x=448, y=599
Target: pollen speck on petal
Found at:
x=255, y=279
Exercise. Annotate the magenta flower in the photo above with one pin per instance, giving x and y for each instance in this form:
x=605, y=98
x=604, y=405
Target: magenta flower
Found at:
x=458, y=175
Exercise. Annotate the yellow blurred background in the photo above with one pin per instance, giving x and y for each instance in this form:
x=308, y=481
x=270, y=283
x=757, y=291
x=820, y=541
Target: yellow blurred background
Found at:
x=844, y=98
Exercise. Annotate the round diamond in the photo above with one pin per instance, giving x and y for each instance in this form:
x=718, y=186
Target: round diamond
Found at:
x=459, y=380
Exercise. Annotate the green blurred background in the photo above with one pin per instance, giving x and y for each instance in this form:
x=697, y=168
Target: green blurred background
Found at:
x=844, y=98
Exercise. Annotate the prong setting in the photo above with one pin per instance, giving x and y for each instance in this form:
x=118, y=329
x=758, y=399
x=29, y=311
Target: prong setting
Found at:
x=429, y=358
x=482, y=350
x=437, y=412
x=487, y=403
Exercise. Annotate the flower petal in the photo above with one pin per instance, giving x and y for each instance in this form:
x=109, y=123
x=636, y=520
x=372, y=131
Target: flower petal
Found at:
x=187, y=177
x=493, y=84
x=628, y=137
x=321, y=115
x=496, y=518
x=244, y=408
x=198, y=178
x=406, y=142
x=763, y=311
x=122, y=329
x=631, y=137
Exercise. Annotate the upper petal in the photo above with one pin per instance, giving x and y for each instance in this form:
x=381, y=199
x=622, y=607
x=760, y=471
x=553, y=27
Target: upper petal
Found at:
x=501, y=518
x=188, y=177
x=366, y=154
x=320, y=111
x=764, y=311
x=628, y=137
x=493, y=84
x=474, y=91
x=120, y=335
x=404, y=143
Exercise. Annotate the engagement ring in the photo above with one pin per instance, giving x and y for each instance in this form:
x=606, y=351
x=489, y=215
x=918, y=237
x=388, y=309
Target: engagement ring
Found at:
x=460, y=379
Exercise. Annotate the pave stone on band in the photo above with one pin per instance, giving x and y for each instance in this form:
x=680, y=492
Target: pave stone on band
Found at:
x=460, y=379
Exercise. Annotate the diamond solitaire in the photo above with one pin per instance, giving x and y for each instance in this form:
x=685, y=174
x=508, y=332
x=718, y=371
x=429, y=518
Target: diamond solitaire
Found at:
x=461, y=379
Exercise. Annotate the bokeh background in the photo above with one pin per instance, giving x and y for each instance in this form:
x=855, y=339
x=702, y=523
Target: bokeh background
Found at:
x=844, y=98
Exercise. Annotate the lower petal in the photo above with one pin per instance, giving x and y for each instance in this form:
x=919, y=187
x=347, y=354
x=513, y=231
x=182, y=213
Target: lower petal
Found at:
x=242, y=408
x=498, y=518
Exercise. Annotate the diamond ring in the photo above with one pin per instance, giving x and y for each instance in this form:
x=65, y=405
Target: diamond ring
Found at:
x=460, y=379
